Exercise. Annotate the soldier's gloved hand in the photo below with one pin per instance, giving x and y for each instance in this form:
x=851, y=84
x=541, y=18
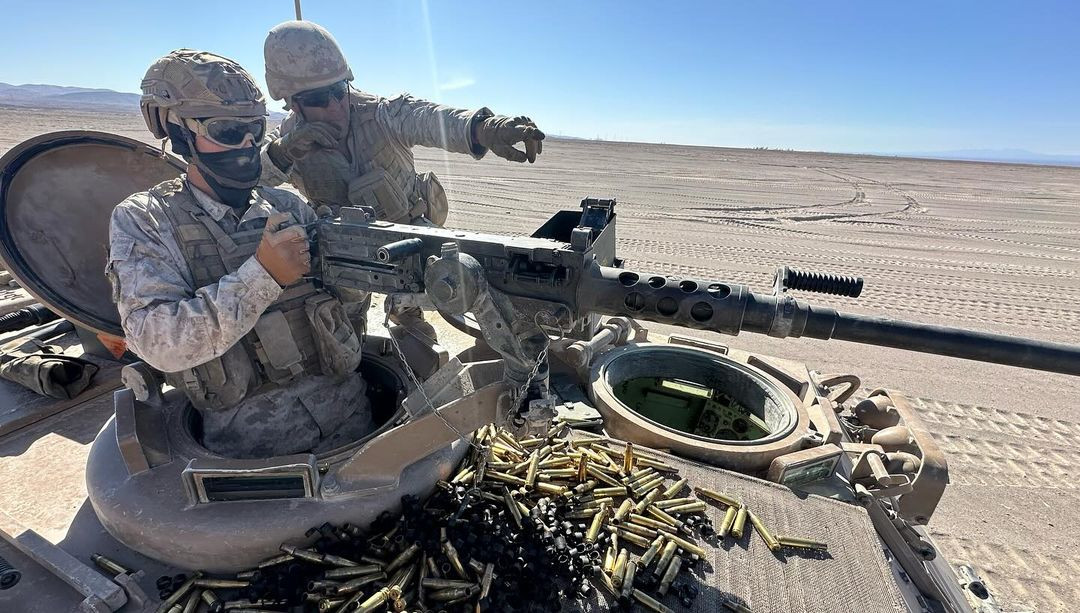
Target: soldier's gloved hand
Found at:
x=303, y=139
x=501, y=133
x=284, y=252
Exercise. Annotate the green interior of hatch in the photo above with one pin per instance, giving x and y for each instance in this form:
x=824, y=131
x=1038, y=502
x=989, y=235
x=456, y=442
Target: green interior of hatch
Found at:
x=692, y=408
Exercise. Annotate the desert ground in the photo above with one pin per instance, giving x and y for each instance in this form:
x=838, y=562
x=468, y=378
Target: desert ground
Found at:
x=987, y=246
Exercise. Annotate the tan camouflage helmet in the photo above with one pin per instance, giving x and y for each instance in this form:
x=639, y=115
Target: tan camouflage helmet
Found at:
x=194, y=84
x=301, y=56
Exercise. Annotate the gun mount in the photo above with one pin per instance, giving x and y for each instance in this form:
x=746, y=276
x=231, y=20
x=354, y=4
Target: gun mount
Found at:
x=562, y=274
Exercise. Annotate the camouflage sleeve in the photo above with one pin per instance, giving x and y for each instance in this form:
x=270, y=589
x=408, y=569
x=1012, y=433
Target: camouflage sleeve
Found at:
x=419, y=122
x=168, y=323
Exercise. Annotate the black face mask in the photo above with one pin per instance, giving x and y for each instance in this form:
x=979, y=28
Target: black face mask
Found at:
x=231, y=173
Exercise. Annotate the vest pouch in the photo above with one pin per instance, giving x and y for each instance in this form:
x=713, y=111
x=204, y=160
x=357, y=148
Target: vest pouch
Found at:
x=277, y=348
x=336, y=340
x=377, y=190
x=435, y=196
x=218, y=384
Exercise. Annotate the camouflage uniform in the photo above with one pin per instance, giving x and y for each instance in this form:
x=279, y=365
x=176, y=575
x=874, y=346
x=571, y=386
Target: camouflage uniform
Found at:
x=375, y=166
x=174, y=324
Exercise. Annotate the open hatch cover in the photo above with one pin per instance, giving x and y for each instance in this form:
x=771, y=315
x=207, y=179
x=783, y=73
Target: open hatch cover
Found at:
x=57, y=192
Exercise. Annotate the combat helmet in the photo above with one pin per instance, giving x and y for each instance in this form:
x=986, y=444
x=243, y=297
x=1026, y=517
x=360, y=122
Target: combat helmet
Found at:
x=301, y=56
x=194, y=84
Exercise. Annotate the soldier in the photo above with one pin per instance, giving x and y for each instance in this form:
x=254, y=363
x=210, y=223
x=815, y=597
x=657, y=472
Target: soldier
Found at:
x=343, y=146
x=207, y=273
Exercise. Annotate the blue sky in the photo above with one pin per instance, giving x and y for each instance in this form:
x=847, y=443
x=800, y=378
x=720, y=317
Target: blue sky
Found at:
x=819, y=75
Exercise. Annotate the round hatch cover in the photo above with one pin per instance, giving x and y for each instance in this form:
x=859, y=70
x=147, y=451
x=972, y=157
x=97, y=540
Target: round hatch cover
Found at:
x=57, y=192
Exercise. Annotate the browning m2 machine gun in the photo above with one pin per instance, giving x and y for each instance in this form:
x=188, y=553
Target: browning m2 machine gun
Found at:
x=520, y=289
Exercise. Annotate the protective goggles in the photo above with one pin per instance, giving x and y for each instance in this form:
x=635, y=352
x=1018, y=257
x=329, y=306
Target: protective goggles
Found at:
x=232, y=132
x=320, y=98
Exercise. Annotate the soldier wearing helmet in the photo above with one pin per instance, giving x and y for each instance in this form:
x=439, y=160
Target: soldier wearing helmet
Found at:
x=342, y=146
x=208, y=276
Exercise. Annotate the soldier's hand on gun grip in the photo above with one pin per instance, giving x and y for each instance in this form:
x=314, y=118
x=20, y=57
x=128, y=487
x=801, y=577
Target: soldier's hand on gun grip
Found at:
x=303, y=139
x=500, y=134
x=284, y=252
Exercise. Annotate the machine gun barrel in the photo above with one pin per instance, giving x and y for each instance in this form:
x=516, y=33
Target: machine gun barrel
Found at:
x=729, y=309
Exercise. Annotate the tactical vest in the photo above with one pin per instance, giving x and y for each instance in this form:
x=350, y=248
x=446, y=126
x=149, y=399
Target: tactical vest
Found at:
x=304, y=332
x=382, y=173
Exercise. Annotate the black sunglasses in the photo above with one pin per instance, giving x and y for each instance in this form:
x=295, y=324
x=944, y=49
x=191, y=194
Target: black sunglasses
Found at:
x=320, y=98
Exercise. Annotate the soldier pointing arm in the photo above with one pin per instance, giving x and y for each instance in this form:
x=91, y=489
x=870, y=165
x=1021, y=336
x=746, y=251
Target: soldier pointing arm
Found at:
x=342, y=146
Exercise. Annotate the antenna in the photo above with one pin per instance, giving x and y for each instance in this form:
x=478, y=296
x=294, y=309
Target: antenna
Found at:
x=299, y=16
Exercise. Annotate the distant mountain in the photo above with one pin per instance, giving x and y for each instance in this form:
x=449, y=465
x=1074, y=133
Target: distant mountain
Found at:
x=1011, y=156
x=58, y=96
x=82, y=98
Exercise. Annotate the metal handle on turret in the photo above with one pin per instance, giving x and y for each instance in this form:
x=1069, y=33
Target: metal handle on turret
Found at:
x=730, y=309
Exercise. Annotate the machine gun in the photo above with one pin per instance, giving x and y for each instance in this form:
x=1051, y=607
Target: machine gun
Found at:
x=520, y=289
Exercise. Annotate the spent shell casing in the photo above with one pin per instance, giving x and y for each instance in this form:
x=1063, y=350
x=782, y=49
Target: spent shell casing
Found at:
x=583, y=514
x=348, y=572
x=619, y=569
x=529, y=443
x=649, y=602
x=329, y=604
x=551, y=488
x=770, y=540
x=446, y=584
x=195, y=598
x=213, y=603
x=647, y=501
x=322, y=585
x=728, y=521
x=373, y=602
x=557, y=473
x=353, y=585
x=610, y=491
x=599, y=475
x=606, y=582
x=598, y=502
x=674, y=489
x=558, y=462
x=511, y=505
x=649, y=522
x=636, y=539
x=673, y=502
x=449, y=594
x=657, y=464
x=690, y=507
x=628, y=458
x=582, y=488
x=597, y=523
x=740, y=522
x=505, y=478
x=486, y=579
x=665, y=558
x=670, y=573
x=333, y=560
x=404, y=557
x=108, y=565
x=609, y=560
x=176, y=609
x=801, y=543
x=638, y=529
x=642, y=473
x=628, y=578
x=180, y=592
x=624, y=510
x=644, y=487
x=452, y=555
x=661, y=515
x=687, y=546
x=303, y=554
x=717, y=496
x=582, y=468
x=223, y=584
x=463, y=476
x=370, y=559
x=651, y=552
